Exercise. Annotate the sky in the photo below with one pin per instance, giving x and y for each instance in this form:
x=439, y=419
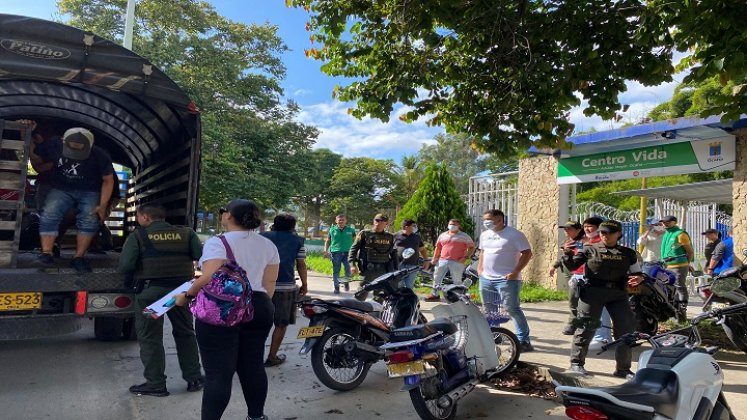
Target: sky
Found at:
x=312, y=90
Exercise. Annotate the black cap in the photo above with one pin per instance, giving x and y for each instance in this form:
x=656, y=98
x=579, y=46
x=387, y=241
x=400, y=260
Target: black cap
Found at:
x=710, y=231
x=610, y=226
x=571, y=224
x=594, y=220
x=668, y=219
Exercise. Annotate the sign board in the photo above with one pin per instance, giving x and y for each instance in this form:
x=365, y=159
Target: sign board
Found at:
x=687, y=157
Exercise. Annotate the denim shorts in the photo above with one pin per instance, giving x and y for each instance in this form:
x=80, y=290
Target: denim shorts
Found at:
x=59, y=202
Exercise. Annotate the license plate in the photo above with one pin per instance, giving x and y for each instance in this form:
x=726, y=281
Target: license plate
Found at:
x=310, y=332
x=634, y=290
x=20, y=301
x=405, y=369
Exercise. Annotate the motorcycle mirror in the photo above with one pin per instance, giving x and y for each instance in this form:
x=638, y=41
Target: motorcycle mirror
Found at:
x=744, y=252
x=725, y=285
x=407, y=253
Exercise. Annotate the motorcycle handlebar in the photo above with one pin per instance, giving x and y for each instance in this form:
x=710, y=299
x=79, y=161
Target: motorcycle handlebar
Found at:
x=719, y=312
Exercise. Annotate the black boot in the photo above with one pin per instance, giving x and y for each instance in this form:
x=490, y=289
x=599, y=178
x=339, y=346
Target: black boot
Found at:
x=681, y=315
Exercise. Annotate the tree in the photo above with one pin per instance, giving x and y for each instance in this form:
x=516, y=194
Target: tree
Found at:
x=412, y=173
x=251, y=144
x=434, y=203
x=362, y=187
x=320, y=166
x=506, y=71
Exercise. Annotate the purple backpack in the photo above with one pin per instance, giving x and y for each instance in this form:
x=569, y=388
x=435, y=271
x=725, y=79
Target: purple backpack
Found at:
x=227, y=299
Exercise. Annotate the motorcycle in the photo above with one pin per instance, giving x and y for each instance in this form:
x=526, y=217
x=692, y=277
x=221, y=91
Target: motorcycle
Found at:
x=344, y=335
x=653, y=300
x=729, y=288
x=442, y=361
x=676, y=380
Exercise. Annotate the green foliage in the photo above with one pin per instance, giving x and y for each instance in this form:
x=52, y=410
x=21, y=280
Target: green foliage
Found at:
x=252, y=147
x=506, y=71
x=530, y=293
x=434, y=203
x=315, y=191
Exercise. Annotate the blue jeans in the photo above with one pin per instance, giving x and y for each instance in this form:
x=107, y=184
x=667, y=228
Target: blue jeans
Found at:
x=409, y=280
x=508, y=291
x=604, y=332
x=339, y=258
x=59, y=202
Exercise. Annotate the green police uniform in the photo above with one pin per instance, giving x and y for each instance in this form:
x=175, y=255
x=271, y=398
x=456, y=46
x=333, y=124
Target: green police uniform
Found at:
x=374, y=254
x=162, y=267
x=606, y=273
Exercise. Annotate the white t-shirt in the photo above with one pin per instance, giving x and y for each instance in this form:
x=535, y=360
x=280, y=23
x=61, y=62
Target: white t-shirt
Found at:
x=501, y=251
x=252, y=251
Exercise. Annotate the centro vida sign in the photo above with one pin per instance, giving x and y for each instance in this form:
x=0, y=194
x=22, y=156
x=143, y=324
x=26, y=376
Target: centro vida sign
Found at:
x=667, y=159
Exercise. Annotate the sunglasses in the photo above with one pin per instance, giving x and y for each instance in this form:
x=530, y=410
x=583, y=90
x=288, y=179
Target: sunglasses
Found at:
x=381, y=220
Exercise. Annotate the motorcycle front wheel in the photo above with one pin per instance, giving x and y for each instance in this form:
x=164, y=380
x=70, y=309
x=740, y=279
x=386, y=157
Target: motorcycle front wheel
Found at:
x=334, y=367
x=735, y=327
x=645, y=323
x=507, y=348
x=426, y=404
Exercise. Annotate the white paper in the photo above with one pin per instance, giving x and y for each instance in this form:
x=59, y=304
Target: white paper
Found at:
x=161, y=306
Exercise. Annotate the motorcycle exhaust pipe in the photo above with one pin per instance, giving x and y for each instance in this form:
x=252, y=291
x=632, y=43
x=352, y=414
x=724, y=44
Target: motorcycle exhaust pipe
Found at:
x=455, y=395
x=363, y=351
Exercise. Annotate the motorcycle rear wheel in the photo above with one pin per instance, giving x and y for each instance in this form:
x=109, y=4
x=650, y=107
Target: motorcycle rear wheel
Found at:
x=342, y=378
x=507, y=347
x=429, y=409
x=735, y=327
x=645, y=324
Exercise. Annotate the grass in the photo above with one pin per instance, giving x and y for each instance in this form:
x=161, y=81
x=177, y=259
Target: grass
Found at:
x=711, y=333
x=530, y=292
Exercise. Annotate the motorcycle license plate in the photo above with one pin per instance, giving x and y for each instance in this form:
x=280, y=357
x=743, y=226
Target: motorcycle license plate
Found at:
x=20, y=301
x=397, y=370
x=634, y=290
x=311, y=332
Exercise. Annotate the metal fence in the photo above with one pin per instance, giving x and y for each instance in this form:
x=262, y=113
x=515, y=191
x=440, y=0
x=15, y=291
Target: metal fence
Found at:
x=495, y=191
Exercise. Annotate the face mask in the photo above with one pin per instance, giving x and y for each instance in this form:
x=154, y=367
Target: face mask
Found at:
x=414, y=229
x=592, y=234
x=488, y=224
x=658, y=229
x=453, y=228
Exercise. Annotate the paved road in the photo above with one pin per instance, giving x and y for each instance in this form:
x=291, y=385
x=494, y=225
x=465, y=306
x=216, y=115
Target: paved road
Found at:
x=75, y=377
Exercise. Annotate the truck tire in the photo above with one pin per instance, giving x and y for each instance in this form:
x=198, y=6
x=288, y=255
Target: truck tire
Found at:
x=108, y=328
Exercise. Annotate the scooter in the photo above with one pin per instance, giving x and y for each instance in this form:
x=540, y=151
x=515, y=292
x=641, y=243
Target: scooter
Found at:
x=344, y=335
x=653, y=300
x=676, y=380
x=442, y=361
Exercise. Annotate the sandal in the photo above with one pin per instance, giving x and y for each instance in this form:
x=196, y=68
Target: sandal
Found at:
x=278, y=360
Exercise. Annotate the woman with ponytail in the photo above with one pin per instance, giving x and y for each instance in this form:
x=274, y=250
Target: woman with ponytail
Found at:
x=238, y=349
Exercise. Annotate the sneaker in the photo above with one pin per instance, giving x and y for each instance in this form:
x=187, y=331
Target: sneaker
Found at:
x=624, y=373
x=526, y=346
x=196, y=385
x=45, y=258
x=80, y=264
x=347, y=287
x=337, y=291
x=596, y=345
x=433, y=298
x=145, y=389
x=578, y=370
x=569, y=330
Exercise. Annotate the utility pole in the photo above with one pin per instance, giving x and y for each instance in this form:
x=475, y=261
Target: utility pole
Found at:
x=129, y=24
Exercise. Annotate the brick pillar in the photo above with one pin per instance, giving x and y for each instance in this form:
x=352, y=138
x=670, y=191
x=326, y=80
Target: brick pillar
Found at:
x=539, y=213
x=739, y=193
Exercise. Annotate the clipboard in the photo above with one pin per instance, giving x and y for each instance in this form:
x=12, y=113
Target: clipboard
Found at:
x=158, y=308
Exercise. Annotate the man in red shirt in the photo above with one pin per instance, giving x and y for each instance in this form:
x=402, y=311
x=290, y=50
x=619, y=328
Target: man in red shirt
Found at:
x=452, y=249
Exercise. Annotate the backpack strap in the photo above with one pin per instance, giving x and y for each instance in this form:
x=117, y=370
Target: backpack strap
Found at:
x=229, y=251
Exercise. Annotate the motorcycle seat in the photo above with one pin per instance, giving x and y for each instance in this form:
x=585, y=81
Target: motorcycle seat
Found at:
x=414, y=332
x=356, y=304
x=657, y=388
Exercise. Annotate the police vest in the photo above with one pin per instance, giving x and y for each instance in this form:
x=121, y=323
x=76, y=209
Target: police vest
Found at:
x=165, y=253
x=377, y=247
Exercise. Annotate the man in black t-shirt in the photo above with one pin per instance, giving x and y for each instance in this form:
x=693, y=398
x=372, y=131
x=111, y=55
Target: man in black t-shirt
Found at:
x=409, y=238
x=83, y=178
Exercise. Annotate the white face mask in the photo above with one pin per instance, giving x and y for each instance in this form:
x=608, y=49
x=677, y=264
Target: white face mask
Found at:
x=488, y=224
x=658, y=229
x=592, y=234
x=453, y=228
x=414, y=229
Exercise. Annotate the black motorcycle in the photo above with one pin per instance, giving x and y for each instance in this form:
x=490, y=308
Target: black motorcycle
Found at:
x=653, y=300
x=344, y=335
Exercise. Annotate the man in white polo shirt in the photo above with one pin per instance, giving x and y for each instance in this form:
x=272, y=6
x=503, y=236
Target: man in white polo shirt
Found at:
x=504, y=253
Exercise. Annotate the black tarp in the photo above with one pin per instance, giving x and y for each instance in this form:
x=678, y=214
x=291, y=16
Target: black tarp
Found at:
x=55, y=71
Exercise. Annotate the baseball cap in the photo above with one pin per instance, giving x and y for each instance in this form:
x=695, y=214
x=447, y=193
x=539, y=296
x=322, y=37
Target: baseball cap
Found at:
x=381, y=216
x=610, y=226
x=571, y=224
x=711, y=230
x=668, y=219
x=594, y=220
x=77, y=143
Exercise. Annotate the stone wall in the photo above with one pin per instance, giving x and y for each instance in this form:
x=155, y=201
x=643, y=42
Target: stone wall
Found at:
x=739, y=193
x=539, y=213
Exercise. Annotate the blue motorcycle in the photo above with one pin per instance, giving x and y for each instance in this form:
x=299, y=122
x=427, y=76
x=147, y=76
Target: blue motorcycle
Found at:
x=653, y=300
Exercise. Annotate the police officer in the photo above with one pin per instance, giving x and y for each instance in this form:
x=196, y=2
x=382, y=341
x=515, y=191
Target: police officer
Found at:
x=158, y=257
x=610, y=269
x=373, y=253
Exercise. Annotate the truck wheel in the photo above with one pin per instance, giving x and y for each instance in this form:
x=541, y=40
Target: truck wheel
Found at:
x=108, y=328
x=128, y=329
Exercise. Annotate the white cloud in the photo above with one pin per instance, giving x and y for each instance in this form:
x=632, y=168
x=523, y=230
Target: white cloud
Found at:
x=302, y=92
x=344, y=134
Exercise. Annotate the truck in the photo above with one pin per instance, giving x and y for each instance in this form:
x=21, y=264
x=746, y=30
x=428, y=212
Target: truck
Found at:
x=67, y=77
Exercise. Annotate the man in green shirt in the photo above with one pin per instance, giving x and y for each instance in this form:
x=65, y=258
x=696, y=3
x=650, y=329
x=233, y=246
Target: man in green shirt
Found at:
x=336, y=246
x=159, y=257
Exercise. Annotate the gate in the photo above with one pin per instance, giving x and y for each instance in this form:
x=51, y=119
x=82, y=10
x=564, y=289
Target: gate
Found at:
x=495, y=191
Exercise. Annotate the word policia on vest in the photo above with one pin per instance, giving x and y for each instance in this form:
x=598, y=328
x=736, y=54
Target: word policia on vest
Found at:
x=165, y=236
